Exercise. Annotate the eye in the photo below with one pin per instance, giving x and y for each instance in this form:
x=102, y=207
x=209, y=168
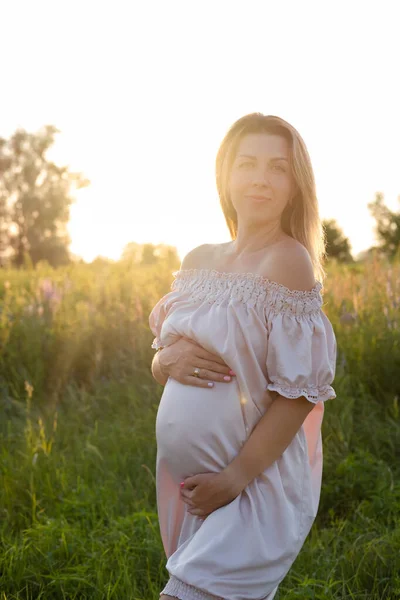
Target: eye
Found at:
x=280, y=168
x=247, y=163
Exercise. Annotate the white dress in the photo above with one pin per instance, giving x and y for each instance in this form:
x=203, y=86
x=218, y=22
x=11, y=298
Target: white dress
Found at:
x=274, y=339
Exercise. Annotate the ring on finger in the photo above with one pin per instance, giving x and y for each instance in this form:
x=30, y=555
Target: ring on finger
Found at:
x=196, y=372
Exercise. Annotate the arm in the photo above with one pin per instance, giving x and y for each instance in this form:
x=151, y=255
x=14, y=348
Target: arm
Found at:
x=178, y=360
x=189, y=261
x=277, y=428
x=156, y=370
x=269, y=439
x=206, y=492
x=215, y=372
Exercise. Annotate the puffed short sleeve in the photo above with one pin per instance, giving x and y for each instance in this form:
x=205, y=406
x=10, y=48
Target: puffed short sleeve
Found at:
x=301, y=355
x=156, y=319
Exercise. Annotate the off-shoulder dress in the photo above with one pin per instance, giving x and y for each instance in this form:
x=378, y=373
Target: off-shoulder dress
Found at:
x=275, y=340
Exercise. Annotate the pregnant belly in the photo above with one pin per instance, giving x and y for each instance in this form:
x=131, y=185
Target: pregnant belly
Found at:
x=199, y=430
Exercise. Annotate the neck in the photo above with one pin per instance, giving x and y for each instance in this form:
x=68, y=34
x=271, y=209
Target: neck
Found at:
x=248, y=241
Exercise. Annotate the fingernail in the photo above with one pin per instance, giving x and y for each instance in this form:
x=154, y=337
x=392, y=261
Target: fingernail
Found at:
x=182, y=484
x=232, y=373
x=227, y=378
x=210, y=384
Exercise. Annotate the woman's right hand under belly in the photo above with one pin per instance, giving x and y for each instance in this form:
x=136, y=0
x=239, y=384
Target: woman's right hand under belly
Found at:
x=179, y=360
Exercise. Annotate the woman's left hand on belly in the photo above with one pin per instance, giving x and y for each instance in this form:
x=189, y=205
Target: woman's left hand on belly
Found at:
x=206, y=492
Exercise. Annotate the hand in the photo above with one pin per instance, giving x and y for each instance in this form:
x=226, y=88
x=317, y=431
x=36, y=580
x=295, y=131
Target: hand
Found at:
x=206, y=492
x=181, y=358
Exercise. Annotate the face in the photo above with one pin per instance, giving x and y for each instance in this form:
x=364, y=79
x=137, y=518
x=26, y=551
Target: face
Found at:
x=261, y=182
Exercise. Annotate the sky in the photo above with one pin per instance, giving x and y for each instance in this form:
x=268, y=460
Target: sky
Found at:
x=143, y=93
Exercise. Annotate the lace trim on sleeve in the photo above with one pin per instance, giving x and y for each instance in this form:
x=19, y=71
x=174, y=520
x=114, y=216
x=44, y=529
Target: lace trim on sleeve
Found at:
x=157, y=344
x=312, y=393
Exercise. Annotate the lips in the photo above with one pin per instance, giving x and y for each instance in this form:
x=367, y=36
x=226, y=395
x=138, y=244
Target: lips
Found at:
x=258, y=198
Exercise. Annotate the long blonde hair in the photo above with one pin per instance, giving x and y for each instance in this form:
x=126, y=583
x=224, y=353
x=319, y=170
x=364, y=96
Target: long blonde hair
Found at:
x=300, y=219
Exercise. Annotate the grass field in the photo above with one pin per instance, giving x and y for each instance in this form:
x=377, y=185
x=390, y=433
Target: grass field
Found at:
x=77, y=443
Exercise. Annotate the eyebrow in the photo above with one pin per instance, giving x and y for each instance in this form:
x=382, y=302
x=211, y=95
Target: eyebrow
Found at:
x=273, y=158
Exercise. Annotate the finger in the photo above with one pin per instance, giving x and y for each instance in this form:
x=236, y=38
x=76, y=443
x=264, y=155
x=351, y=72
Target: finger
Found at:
x=189, y=483
x=186, y=496
x=210, y=356
x=213, y=366
x=198, y=512
x=214, y=361
x=198, y=382
x=188, y=502
x=211, y=375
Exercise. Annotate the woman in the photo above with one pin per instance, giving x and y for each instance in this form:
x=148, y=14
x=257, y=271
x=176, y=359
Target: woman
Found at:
x=239, y=463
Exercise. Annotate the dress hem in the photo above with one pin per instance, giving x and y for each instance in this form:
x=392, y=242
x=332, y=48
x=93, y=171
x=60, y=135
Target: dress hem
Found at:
x=179, y=589
x=183, y=591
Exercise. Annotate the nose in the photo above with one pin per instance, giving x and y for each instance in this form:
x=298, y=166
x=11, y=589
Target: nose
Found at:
x=260, y=177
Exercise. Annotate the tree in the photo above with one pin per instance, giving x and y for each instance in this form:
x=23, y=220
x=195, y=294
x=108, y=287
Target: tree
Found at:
x=35, y=199
x=132, y=253
x=149, y=254
x=387, y=225
x=337, y=245
x=169, y=255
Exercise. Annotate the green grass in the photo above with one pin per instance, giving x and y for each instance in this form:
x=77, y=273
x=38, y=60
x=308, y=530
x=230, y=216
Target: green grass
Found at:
x=79, y=520
x=77, y=443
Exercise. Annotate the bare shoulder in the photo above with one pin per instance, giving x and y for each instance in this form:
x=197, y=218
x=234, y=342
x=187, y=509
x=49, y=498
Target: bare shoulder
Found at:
x=289, y=264
x=196, y=258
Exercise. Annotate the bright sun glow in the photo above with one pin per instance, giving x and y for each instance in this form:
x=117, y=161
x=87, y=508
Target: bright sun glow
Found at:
x=144, y=92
